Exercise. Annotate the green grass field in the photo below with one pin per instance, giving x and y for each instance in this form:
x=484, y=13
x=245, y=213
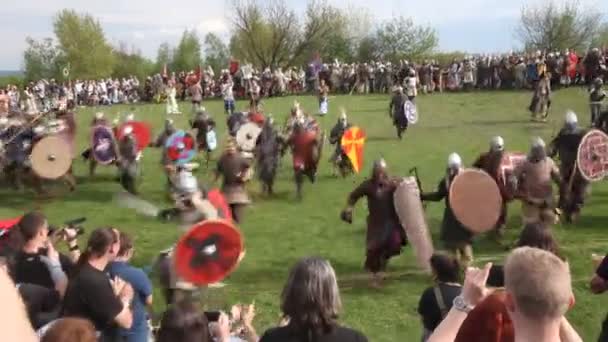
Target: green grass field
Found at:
x=279, y=230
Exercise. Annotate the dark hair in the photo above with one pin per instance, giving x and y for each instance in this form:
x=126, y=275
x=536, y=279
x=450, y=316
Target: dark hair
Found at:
x=98, y=244
x=126, y=244
x=27, y=228
x=70, y=330
x=311, y=298
x=446, y=268
x=539, y=236
x=184, y=322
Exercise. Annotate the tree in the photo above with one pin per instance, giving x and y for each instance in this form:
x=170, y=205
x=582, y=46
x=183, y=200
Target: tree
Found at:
x=41, y=59
x=82, y=41
x=131, y=63
x=401, y=38
x=187, y=55
x=551, y=26
x=216, y=52
x=601, y=39
x=367, y=49
x=164, y=56
x=268, y=34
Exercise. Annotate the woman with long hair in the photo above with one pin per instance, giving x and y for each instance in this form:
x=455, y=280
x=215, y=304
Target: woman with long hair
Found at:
x=311, y=305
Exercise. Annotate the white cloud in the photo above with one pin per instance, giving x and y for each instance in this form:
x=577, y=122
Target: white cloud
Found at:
x=147, y=23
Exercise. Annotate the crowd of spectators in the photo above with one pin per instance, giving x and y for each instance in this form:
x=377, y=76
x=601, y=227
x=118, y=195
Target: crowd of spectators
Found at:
x=97, y=295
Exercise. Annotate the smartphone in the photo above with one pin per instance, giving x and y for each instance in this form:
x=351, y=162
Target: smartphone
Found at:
x=212, y=316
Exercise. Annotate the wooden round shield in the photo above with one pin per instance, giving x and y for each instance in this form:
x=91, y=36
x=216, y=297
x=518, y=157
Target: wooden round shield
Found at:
x=510, y=161
x=411, y=113
x=475, y=200
x=592, y=156
x=247, y=135
x=141, y=131
x=208, y=252
x=51, y=157
x=103, y=144
x=180, y=147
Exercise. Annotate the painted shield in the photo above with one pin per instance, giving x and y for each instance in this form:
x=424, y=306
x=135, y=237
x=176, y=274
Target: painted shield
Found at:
x=247, y=135
x=141, y=131
x=103, y=145
x=208, y=252
x=216, y=197
x=51, y=157
x=9, y=223
x=475, y=200
x=180, y=147
x=510, y=161
x=411, y=215
x=592, y=156
x=411, y=113
x=353, y=141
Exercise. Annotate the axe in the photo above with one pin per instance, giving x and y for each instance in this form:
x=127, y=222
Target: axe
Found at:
x=414, y=171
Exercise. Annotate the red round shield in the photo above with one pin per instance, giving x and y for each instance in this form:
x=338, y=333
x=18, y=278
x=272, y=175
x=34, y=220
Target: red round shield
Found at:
x=510, y=161
x=141, y=131
x=9, y=223
x=592, y=156
x=208, y=252
x=216, y=197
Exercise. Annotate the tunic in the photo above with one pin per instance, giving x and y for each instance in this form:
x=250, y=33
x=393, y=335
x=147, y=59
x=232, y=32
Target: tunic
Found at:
x=232, y=166
x=566, y=146
x=397, y=110
x=453, y=233
x=535, y=180
x=385, y=234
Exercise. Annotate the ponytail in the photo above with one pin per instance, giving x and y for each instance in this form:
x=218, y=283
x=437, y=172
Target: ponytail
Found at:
x=100, y=240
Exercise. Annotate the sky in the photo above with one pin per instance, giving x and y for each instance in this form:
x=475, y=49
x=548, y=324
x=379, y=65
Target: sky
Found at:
x=476, y=26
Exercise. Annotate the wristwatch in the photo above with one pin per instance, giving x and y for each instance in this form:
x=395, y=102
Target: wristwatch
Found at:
x=461, y=305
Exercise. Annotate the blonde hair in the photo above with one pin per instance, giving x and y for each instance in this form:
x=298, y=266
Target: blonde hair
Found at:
x=539, y=283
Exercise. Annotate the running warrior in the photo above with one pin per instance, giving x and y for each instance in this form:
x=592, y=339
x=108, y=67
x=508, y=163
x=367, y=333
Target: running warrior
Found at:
x=267, y=156
x=596, y=97
x=573, y=188
x=323, y=100
x=339, y=160
x=455, y=236
x=128, y=160
x=396, y=110
x=234, y=169
x=541, y=100
x=490, y=162
x=306, y=145
x=385, y=236
x=533, y=180
x=203, y=124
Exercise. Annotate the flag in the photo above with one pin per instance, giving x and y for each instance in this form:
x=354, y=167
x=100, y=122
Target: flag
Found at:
x=352, y=142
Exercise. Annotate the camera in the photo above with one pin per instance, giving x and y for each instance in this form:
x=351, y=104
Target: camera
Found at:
x=72, y=224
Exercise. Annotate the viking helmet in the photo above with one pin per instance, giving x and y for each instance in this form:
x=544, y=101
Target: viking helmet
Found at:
x=186, y=182
x=454, y=161
x=598, y=82
x=130, y=117
x=128, y=130
x=343, y=118
x=497, y=144
x=537, y=151
x=571, y=119
x=379, y=168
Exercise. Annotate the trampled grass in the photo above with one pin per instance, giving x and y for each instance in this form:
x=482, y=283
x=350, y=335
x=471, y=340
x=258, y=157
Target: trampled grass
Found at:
x=280, y=229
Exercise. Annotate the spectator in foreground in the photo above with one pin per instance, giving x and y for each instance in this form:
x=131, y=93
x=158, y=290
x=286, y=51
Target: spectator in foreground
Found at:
x=142, y=288
x=311, y=304
x=92, y=295
x=70, y=330
x=538, y=236
x=436, y=301
x=599, y=284
x=538, y=294
x=14, y=324
x=186, y=322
